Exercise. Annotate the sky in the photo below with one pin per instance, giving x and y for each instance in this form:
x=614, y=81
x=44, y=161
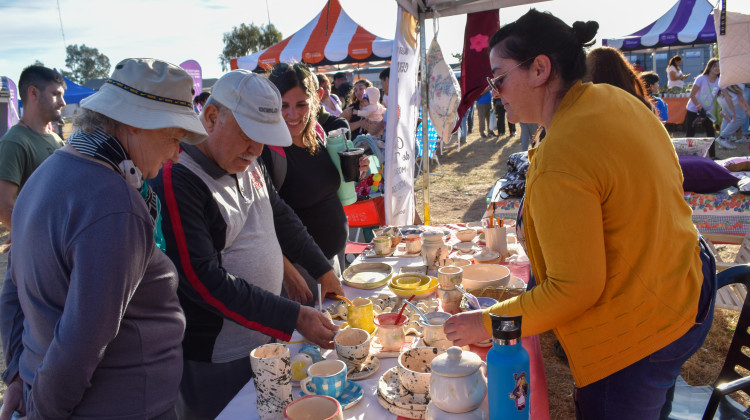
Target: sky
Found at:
x=179, y=30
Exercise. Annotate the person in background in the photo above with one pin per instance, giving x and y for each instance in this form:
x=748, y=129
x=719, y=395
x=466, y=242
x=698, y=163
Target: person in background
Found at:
x=200, y=101
x=627, y=310
x=497, y=106
x=328, y=121
x=329, y=101
x=732, y=113
x=358, y=124
x=651, y=81
x=701, y=104
x=527, y=131
x=307, y=164
x=27, y=144
x=675, y=78
x=484, y=104
x=608, y=65
x=637, y=66
x=342, y=88
x=226, y=231
x=385, y=79
x=90, y=321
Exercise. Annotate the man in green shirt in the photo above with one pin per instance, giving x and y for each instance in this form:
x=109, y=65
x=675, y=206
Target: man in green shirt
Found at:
x=27, y=144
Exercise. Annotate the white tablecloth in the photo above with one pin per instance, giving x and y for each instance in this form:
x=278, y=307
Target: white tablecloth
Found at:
x=243, y=406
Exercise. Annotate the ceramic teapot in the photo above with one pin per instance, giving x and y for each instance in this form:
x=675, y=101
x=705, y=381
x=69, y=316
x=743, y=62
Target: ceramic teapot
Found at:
x=458, y=383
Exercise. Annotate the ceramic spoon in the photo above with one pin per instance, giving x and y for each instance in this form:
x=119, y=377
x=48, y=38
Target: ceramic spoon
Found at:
x=471, y=299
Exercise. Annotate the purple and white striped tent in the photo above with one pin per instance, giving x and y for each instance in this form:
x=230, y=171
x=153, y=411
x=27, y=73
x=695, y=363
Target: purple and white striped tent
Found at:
x=688, y=22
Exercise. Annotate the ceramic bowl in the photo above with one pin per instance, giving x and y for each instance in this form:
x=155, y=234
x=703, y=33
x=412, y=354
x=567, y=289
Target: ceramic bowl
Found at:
x=427, y=287
x=477, y=276
x=466, y=235
x=414, y=368
x=314, y=407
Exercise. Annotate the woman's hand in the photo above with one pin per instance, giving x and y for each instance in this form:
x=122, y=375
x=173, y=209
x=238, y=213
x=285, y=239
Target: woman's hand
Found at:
x=364, y=165
x=347, y=113
x=466, y=328
x=295, y=285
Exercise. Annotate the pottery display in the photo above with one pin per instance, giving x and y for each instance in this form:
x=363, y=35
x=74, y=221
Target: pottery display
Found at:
x=487, y=256
x=458, y=262
x=314, y=407
x=271, y=366
x=367, y=275
x=413, y=243
x=350, y=395
x=307, y=355
x=390, y=332
x=382, y=245
x=458, y=383
x=434, y=333
x=360, y=314
x=414, y=368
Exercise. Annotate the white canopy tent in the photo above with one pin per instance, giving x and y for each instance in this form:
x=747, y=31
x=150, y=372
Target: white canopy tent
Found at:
x=422, y=10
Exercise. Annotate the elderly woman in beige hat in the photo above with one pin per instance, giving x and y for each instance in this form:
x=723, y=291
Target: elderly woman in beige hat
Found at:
x=90, y=321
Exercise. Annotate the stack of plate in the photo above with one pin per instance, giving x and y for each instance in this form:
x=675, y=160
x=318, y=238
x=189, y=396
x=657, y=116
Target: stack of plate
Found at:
x=420, y=285
x=398, y=400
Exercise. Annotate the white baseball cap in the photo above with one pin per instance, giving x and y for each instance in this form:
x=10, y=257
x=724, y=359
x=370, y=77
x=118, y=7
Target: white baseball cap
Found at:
x=151, y=94
x=256, y=105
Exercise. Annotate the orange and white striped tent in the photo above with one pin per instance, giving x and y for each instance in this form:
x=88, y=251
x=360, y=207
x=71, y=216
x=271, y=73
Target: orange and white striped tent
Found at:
x=332, y=37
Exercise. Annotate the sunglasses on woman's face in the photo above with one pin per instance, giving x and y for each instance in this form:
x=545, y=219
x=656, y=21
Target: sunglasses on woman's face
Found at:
x=496, y=83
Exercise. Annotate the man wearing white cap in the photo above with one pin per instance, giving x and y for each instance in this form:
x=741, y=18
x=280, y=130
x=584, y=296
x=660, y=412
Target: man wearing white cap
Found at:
x=226, y=231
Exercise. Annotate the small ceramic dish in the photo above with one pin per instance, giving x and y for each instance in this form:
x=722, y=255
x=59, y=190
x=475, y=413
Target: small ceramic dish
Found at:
x=458, y=262
x=414, y=368
x=365, y=370
x=393, y=392
x=351, y=395
x=465, y=247
x=487, y=256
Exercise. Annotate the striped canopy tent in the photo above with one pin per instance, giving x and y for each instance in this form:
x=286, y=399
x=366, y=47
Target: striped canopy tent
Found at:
x=332, y=37
x=688, y=22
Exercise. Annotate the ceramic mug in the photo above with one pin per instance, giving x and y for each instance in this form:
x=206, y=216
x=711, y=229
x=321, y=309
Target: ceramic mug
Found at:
x=352, y=346
x=271, y=366
x=450, y=276
x=391, y=330
x=413, y=243
x=382, y=245
x=496, y=239
x=325, y=378
x=434, y=333
x=360, y=315
x=314, y=407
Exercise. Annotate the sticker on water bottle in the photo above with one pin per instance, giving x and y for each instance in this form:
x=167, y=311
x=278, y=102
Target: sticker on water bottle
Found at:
x=520, y=392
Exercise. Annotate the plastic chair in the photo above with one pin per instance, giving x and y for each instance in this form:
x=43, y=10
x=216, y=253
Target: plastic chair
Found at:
x=731, y=296
x=712, y=402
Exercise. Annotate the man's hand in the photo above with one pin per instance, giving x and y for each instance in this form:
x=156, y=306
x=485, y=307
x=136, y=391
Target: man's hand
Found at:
x=13, y=399
x=315, y=327
x=330, y=285
x=466, y=328
x=295, y=285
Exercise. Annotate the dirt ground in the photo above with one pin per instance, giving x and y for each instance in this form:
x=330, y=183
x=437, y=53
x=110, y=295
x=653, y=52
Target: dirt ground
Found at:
x=458, y=188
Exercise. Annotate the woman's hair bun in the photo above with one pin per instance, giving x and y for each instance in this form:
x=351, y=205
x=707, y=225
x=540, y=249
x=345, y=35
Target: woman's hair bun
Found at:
x=585, y=32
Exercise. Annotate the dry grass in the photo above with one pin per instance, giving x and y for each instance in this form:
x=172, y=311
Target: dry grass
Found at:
x=459, y=196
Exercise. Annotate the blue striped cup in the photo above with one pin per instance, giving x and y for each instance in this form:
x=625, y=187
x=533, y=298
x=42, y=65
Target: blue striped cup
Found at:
x=325, y=378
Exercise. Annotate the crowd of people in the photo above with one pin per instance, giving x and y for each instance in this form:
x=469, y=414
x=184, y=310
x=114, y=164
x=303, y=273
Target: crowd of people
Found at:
x=157, y=246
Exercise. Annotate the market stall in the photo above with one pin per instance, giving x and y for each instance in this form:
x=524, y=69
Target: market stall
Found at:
x=374, y=397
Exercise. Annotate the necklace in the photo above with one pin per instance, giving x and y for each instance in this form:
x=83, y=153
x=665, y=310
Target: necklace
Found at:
x=22, y=122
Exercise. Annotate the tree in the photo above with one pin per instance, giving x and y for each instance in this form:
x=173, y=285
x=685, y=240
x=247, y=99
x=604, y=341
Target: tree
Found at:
x=85, y=63
x=244, y=40
x=38, y=63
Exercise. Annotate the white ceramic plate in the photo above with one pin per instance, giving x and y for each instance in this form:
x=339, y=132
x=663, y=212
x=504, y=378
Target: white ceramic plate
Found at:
x=367, y=275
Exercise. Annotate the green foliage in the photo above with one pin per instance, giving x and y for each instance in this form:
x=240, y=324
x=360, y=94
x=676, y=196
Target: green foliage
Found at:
x=85, y=63
x=244, y=40
x=458, y=56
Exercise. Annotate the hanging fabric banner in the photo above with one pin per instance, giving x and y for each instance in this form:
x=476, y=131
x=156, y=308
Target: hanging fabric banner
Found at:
x=401, y=123
x=475, y=63
x=194, y=70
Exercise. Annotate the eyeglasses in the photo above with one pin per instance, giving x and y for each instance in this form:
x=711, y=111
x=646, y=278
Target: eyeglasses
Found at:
x=496, y=83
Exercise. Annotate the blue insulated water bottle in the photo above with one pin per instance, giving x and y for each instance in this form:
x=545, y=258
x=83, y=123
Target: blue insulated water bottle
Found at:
x=508, y=376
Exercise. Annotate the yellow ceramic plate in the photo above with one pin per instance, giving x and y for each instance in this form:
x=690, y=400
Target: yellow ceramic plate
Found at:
x=427, y=287
x=367, y=275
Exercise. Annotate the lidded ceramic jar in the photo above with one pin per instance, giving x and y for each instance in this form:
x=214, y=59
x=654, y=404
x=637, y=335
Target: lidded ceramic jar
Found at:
x=434, y=249
x=457, y=382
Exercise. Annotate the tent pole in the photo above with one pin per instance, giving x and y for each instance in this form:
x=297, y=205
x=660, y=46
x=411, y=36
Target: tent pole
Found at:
x=425, y=115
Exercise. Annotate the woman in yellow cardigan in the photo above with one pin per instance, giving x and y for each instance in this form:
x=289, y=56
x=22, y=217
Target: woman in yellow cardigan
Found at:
x=623, y=279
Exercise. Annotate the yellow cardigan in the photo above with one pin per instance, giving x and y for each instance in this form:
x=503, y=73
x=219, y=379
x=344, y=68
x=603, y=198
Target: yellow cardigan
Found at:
x=609, y=235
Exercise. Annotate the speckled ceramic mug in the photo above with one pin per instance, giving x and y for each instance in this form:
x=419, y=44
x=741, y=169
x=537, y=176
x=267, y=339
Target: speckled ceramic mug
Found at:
x=271, y=365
